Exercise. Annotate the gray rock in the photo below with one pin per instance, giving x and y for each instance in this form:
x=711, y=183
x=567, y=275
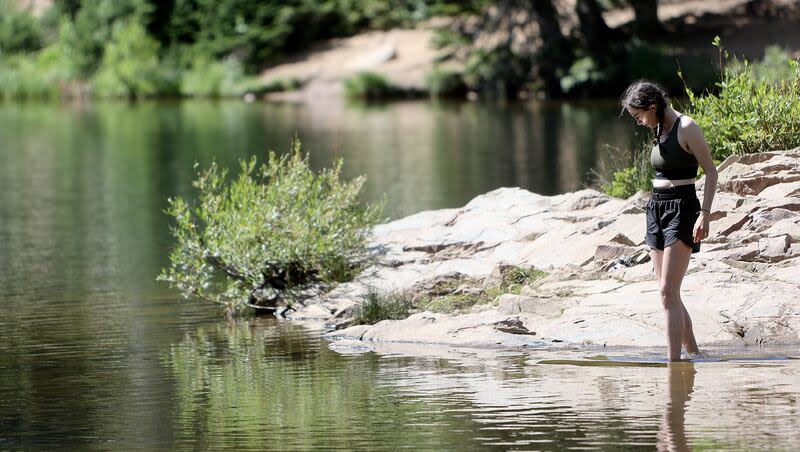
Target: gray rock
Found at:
x=741, y=288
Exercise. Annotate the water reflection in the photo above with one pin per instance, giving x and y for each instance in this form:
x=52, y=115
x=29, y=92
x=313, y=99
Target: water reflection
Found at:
x=423, y=155
x=680, y=384
x=250, y=379
x=267, y=385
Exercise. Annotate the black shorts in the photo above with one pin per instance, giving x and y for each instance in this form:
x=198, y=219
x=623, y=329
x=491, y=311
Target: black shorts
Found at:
x=671, y=215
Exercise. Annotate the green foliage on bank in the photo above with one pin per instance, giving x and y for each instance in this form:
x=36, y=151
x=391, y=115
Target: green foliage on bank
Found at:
x=19, y=31
x=634, y=178
x=270, y=235
x=145, y=48
x=499, y=72
x=130, y=67
x=754, y=108
x=445, y=83
x=43, y=77
x=370, y=86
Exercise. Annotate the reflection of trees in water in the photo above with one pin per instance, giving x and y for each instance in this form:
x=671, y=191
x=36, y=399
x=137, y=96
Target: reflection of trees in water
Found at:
x=522, y=404
x=271, y=384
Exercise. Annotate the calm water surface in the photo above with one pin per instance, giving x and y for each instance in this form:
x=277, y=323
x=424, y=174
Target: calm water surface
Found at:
x=94, y=354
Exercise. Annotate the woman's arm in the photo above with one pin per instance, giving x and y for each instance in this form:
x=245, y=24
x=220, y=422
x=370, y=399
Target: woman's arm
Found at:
x=697, y=145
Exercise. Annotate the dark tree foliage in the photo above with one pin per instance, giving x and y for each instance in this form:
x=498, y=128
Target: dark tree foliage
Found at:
x=19, y=32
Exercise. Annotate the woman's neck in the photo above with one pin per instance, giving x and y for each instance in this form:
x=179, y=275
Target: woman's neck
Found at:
x=670, y=116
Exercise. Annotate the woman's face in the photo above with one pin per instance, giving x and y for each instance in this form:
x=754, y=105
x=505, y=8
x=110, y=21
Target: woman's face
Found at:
x=644, y=116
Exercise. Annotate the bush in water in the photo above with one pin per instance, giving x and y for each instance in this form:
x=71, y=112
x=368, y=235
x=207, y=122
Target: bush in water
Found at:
x=274, y=233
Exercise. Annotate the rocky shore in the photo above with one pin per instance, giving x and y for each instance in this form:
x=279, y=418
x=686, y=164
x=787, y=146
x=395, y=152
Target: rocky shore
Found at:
x=600, y=289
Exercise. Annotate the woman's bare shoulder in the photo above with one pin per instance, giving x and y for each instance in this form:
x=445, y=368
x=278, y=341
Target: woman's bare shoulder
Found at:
x=689, y=126
x=687, y=121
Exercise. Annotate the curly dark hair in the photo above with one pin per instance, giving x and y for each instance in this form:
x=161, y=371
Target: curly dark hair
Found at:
x=642, y=94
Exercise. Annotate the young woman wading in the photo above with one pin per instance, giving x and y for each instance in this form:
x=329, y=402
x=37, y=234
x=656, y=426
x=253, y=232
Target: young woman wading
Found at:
x=676, y=220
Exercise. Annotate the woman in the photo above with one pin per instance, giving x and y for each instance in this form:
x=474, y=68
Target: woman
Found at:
x=676, y=221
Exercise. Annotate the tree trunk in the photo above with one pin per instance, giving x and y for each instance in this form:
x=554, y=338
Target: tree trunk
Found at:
x=556, y=53
x=595, y=34
x=646, y=24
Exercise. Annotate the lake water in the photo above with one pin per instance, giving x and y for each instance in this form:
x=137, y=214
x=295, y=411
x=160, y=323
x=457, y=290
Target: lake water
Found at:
x=94, y=354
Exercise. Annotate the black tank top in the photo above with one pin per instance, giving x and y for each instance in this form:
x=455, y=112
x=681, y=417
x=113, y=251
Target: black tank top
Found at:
x=670, y=160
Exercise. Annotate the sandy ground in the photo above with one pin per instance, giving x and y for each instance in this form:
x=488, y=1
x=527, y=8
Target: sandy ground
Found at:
x=404, y=57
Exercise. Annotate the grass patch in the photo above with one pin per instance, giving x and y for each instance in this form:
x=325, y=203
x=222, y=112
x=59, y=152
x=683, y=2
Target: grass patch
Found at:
x=376, y=306
x=370, y=86
x=454, y=303
x=513, y=279
x=467, y=294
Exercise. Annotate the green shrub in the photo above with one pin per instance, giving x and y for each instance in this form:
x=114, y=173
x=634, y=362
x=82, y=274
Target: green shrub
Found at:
x=20, y=80
x=498, y=72
x=208, y=78
x=583, y=71
x=444, y=83
x=369, y=86
x=45, y=75
x=376, y=306
x=756, y=108
x=19, y=31
x=635, y=178
x=753, y=110
x=131, y=67
x=270, y=234
x=89, y=26
x=455, y=303
x=776, y=66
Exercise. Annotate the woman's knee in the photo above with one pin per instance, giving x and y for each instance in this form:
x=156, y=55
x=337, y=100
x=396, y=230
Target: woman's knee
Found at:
x=669, y=296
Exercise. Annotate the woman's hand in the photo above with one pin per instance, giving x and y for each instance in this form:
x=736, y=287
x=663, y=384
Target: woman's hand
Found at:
x=701, y=226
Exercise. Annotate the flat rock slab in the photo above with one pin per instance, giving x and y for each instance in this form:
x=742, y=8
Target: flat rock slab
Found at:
x=742, y=288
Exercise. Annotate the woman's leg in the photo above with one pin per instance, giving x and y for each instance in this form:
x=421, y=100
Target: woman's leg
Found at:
x=674, y=263
x=688, y=334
